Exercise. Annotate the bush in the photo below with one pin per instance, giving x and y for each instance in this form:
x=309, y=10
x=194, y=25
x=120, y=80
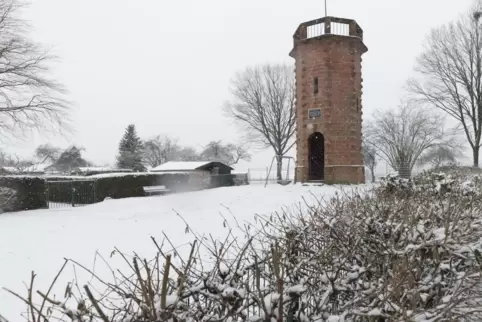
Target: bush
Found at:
x=22, y=193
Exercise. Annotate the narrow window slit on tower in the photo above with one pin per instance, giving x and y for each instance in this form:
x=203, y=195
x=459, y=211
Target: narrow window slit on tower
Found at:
x=315, y=85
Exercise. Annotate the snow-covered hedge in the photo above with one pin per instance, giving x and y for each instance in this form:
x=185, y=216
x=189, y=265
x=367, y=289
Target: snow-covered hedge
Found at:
x=22, y=193
x=406, y=251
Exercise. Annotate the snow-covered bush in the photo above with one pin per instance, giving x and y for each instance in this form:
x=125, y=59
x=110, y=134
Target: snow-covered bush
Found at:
x=405, y=251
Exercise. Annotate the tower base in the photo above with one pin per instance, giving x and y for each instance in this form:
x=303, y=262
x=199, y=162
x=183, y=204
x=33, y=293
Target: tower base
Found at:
x=335, y=174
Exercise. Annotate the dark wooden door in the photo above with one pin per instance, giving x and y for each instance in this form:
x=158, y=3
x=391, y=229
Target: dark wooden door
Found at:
x=316, y=146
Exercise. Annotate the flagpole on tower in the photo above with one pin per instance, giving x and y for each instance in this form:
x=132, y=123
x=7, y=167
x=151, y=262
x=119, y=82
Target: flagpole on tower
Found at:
x=326, y=10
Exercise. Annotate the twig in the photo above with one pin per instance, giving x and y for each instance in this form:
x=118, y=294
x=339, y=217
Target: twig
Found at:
x=96, y=305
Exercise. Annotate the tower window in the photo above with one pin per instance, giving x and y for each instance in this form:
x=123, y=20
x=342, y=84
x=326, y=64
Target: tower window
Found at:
x=315, y=85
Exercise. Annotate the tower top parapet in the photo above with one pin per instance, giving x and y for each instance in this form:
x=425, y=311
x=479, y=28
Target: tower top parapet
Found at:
x=326, y=27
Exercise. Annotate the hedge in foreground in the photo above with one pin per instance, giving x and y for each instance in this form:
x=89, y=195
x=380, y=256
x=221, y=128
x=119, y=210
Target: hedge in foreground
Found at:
x=407, y=251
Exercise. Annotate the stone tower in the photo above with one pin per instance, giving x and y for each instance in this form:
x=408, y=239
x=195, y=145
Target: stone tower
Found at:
x=328, y=59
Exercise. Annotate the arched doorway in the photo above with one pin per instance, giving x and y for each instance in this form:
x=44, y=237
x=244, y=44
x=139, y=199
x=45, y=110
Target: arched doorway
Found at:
x=316, y=155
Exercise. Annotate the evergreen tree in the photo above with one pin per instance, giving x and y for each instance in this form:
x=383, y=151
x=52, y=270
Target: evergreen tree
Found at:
x=130, y=150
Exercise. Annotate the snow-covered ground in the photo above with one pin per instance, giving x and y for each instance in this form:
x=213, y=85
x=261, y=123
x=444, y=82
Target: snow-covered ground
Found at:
x=39, y=240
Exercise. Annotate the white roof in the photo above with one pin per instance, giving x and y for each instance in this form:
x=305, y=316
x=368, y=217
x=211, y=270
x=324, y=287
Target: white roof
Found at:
x=11, y=169
x=37, y=167
x=101, y=169
x=180, y=165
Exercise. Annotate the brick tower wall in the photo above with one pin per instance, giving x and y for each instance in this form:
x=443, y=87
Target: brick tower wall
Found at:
x=336, y=62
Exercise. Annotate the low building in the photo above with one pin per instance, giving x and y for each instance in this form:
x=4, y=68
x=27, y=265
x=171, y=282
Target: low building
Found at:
x=203, y=174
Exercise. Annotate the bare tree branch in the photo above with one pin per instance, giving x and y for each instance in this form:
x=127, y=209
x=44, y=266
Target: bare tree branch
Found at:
x=402, y=136
x=264, y=105
x=229, y=154
x=370, y=157
x=450, y=70
x=29, y=98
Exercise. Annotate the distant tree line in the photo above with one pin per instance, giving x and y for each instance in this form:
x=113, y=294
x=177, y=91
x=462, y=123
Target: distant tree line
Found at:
x=137, y=154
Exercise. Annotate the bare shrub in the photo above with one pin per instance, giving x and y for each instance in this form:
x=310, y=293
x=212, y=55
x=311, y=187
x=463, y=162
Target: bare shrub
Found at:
x=404, y=251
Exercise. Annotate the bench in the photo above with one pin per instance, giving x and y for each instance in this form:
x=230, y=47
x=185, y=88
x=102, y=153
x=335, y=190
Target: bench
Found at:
x=155, y=190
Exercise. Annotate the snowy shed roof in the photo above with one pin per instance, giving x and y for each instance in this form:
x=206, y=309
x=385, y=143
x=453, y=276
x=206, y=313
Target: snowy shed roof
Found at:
x=180, y=166
x=183, y=166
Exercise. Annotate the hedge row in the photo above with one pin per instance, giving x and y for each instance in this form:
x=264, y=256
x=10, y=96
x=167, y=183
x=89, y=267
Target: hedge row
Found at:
x=28, y=193
x=35, y=193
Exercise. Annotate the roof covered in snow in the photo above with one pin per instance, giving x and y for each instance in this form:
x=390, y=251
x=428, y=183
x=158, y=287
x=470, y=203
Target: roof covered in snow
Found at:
x=11, y=169
x=101, y=169
x=37, y=168
x=184, y=165
x=180, y=165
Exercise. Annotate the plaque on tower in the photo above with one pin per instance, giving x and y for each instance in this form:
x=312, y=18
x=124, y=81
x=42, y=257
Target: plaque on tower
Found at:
x=314, y=113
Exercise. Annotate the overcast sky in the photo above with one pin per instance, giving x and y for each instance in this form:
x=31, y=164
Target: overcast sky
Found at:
x=165, y=65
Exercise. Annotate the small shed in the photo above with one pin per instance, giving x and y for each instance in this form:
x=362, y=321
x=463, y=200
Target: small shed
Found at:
x=205, y=167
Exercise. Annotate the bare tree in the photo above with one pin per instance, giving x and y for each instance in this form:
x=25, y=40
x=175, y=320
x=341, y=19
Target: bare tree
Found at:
x=29, y=97
x=440, y=156
x=14, y=161
x=370, y=158
x=229, y=153
x=402, y=136
x=264, y=104
x=451, y=74
x=47, y=152
x=187, y=154
x=160, y=149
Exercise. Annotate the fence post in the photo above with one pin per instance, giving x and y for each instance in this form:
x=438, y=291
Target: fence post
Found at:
x=73, y=193
x=47, y=194
x=95, y=192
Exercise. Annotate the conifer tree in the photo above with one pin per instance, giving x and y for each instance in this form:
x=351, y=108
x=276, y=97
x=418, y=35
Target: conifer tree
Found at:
x=130, y=150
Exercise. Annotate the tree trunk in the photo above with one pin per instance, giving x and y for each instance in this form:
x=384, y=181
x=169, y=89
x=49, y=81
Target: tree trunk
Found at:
x=279, y=168
x=373, y=174
x=476, y=151
x=404, y=171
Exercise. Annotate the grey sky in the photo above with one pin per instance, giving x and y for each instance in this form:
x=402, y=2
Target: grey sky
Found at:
x=166, y=65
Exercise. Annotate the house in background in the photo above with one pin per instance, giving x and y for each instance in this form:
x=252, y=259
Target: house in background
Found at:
x=202, y=174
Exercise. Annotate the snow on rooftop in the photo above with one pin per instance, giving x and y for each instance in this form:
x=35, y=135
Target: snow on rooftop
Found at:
x=37, y=167
x=180, y=165
x=101, y=169
x=11, y=169
x=39, y=240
